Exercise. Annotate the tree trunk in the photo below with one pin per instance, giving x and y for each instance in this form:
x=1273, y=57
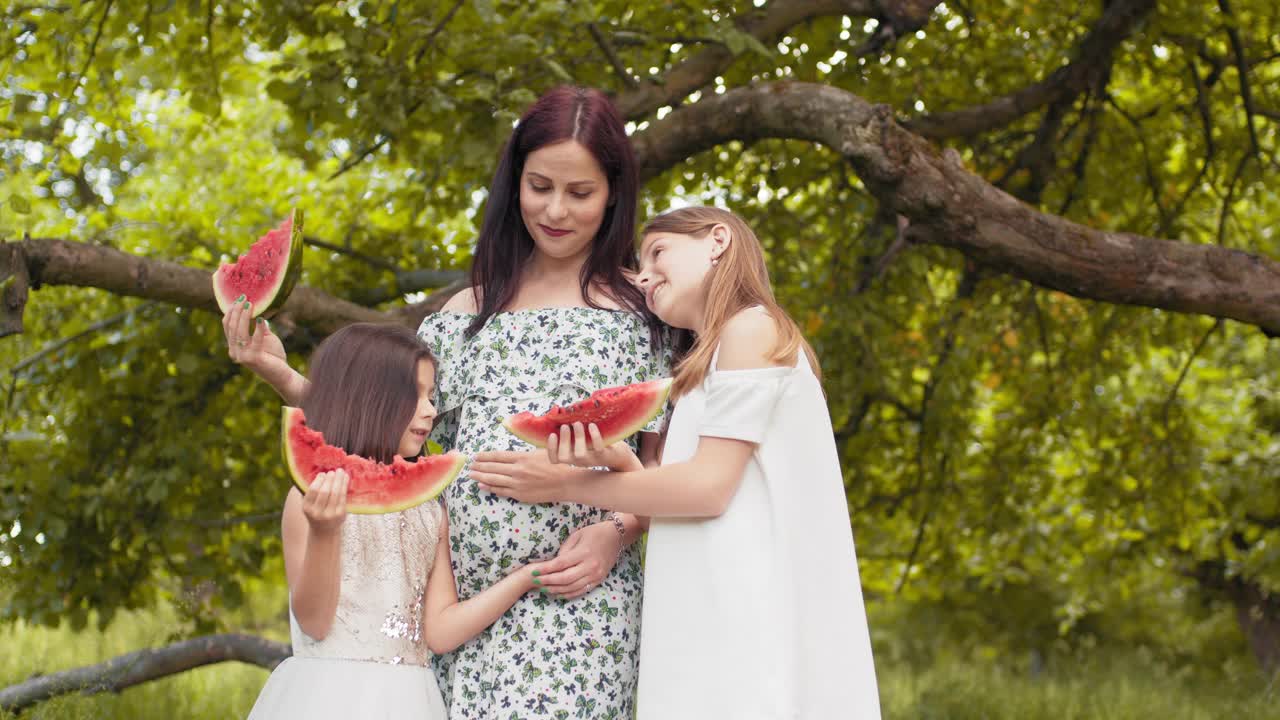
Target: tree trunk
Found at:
x=1257, y=611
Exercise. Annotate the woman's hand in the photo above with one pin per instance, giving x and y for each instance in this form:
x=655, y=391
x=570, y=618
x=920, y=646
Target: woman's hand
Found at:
x=587, y=557
x=585, y=447
x=525, y=476
x=325, y=504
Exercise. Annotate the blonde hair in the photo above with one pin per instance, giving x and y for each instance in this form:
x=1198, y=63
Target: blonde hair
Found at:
x=739, y=280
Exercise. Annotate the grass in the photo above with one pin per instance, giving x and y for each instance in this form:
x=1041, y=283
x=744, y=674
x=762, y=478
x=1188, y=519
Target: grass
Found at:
x=1120, y=687
x=1106, y=685
x=225, y=690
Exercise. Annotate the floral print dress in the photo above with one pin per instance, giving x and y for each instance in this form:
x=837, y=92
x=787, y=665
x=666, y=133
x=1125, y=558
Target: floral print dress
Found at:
x=545, y=658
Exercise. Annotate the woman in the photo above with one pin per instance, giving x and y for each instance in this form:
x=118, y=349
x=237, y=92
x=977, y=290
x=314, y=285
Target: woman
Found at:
x=549, y=318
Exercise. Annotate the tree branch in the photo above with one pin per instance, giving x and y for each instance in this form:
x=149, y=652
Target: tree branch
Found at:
x=952, y=207
x=93, y=51
x=873, y=271
x=365, y=152
x=946, y=204
x=1091, y=58
x=97, y=327
x=412, y=315
x=1242, y=68
x=435, y=32
x=214, y=72
x=383, y=138
x=1224, y=215
x=1148, y=164
x=1186, y=367
x=15, y=282
x=897, y=19
x=410, y=282
x=64, y=262
x=1081, y=165
x=702, y=67
x=16, y=11
x=645, y=97
x=1206, y=130
x=619, y=68
x=143, y=666
x=379, y=263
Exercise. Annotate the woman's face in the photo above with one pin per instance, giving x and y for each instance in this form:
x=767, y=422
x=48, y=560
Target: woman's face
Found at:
x=563, y=197
x=424, y=414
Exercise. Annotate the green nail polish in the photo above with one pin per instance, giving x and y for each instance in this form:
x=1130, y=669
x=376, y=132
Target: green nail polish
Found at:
x=240, y=298
x=259, y=321
x=246, y=304
x=542, y=590
x=536, y=573
x=537, y=583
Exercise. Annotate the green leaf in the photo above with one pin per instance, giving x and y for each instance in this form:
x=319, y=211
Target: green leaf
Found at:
x=557, y=69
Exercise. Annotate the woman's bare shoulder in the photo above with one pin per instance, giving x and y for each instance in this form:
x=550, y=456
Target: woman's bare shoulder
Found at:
x=464, y=301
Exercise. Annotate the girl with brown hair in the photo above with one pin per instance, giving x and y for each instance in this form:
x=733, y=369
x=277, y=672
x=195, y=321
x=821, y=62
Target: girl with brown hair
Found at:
x=371, y=597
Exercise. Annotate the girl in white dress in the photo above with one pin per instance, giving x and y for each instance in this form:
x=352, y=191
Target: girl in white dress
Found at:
x=752, y=603
x=371, y=597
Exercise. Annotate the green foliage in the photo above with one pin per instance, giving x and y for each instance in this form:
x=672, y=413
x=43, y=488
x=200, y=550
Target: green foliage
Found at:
x=1061, y=465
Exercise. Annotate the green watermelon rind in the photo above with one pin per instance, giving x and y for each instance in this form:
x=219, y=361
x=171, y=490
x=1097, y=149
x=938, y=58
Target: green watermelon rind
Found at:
x=292, y=416
x=660, y=390
x=292, y=272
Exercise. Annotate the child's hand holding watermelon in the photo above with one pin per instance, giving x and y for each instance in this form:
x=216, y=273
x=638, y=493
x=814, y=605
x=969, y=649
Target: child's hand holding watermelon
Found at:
x=251, y=343
x=325, y=504
x=585, y=447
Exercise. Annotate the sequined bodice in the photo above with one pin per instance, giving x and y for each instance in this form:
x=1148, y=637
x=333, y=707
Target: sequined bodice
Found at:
x=385, y=563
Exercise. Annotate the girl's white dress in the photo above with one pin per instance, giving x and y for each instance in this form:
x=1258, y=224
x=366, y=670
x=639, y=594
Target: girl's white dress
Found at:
x=374, y=663
x=758, y=613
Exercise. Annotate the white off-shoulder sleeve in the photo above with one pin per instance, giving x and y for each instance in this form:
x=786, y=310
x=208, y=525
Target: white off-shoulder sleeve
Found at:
x=741, y=403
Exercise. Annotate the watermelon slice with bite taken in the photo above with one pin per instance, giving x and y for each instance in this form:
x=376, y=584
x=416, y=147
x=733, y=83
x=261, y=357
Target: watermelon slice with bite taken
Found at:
x=619, y=412
x=374, y=487
x=266, y=274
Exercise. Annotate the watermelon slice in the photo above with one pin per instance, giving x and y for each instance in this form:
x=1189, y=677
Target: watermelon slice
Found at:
x=267, y=273
x=374, y=487
x=619, y=412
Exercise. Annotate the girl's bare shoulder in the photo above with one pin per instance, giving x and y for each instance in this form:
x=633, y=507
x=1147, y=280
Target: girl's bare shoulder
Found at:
x=747, y=340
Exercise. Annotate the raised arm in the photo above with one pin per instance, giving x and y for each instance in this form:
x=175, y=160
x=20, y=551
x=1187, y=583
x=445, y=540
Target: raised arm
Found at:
x=252, y=344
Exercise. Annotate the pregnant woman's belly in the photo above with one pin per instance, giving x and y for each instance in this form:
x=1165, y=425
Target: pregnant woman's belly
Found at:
x=488, y=534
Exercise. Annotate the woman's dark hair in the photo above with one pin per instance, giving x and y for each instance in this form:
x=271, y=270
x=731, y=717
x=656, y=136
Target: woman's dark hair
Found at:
x=563, y=113
x=363, y=391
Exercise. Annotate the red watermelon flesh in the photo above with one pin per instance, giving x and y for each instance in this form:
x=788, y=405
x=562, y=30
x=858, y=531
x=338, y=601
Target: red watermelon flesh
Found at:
x=374, y=487
x=266, y=274
x=619, y=412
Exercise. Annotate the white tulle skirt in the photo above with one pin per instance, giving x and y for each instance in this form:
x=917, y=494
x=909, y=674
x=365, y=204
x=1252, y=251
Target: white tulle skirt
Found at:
x=329, y=689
